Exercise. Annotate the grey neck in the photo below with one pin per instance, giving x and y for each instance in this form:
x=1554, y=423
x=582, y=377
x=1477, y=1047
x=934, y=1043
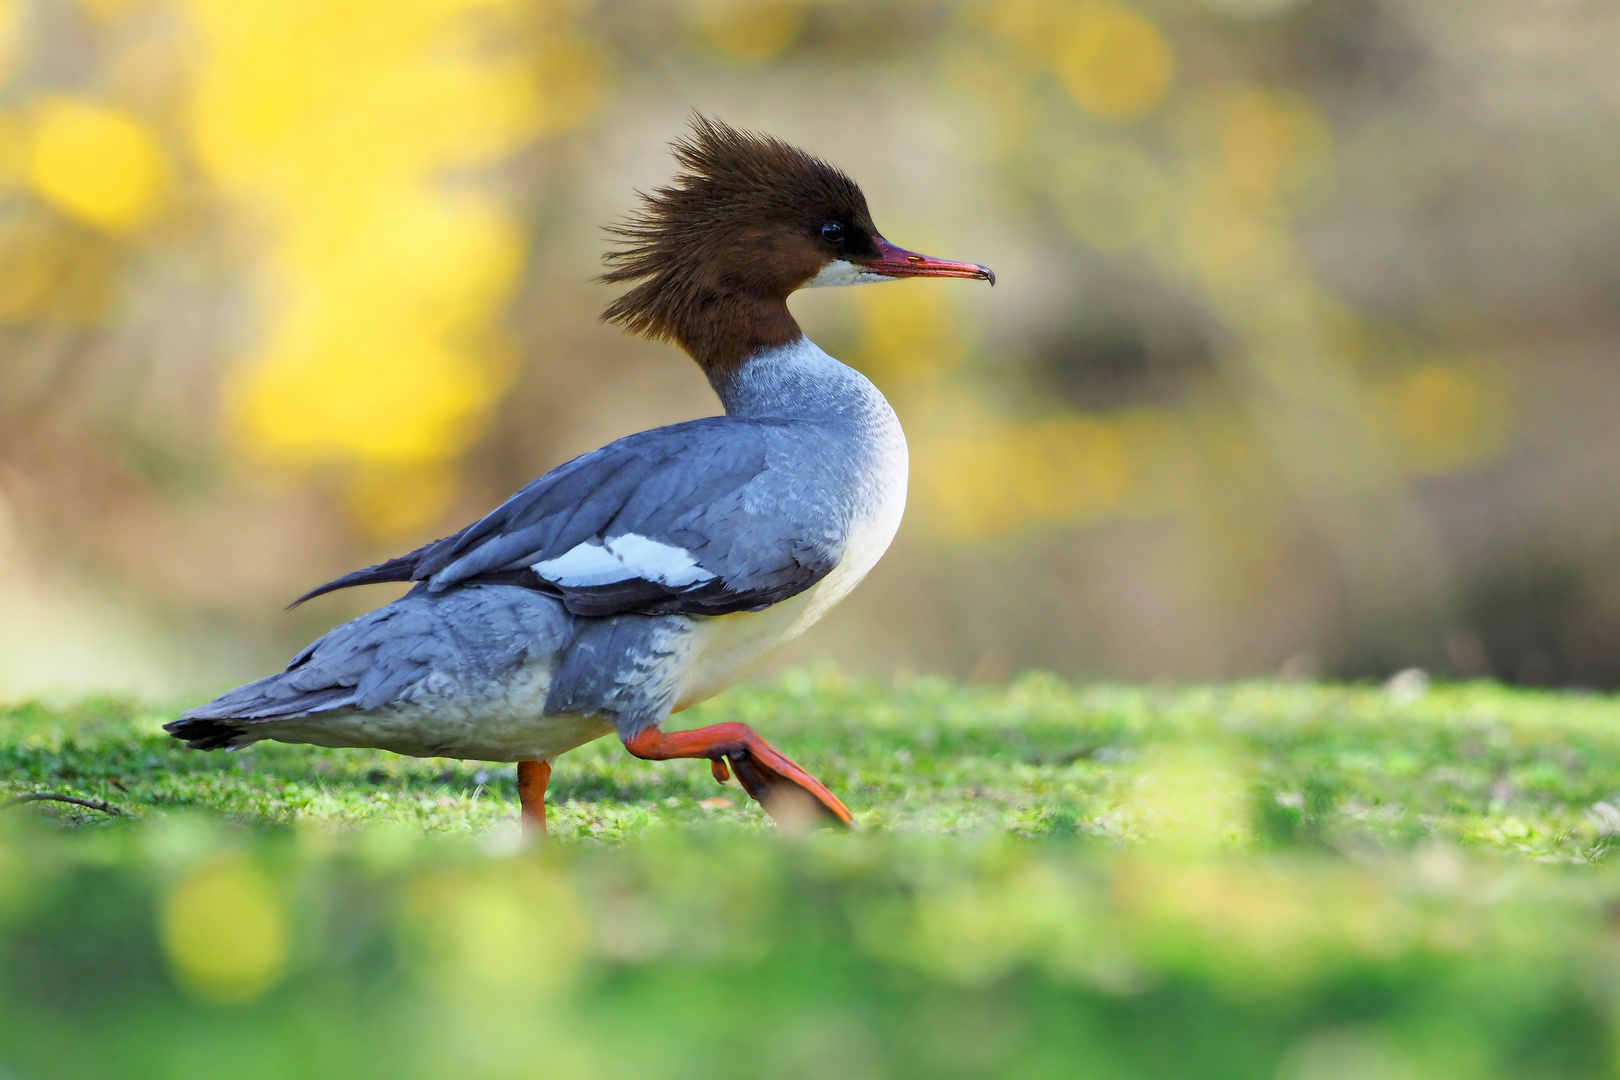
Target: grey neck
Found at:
x=797, y=381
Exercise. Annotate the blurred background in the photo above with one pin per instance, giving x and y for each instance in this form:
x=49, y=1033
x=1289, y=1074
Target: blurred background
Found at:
x=1301, y=359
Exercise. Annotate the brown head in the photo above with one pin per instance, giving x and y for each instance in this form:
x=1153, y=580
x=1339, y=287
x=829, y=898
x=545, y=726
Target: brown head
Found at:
x=748, y=221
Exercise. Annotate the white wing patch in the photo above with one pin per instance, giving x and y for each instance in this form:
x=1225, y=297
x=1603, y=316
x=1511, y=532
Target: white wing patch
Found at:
x=623, y=558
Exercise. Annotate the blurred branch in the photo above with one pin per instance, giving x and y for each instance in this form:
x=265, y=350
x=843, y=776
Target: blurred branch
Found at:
x=76, y=800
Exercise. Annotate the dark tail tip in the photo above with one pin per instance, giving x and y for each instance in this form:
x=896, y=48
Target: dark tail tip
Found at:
x=400, y=569
x=203, y=734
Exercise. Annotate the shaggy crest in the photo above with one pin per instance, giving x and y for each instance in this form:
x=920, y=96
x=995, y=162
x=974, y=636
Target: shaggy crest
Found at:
x=719, y=248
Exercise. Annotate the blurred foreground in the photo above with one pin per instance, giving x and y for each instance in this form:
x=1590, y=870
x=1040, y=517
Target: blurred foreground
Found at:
x=1302, y=353
x=1248, y=882
x=180, y=949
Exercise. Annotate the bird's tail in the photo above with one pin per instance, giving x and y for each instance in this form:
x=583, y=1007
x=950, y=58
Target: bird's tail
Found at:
x=228, y=720
x=473, y=636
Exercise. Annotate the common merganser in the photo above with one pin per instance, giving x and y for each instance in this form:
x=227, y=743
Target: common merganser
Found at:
x=647, y=576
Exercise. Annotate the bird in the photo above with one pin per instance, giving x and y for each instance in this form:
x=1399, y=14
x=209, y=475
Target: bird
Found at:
x=644, y=577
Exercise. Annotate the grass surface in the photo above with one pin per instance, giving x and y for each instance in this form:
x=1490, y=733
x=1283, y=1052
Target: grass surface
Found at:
x=1321, y=883
x=1477, y=765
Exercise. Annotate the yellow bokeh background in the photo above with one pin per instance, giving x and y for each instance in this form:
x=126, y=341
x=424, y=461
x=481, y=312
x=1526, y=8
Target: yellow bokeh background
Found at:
x=338, y=135
x=749, y=30
x=292, y=286
x=1114, y=61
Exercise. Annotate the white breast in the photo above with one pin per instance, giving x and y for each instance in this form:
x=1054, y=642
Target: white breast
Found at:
x=725, y=648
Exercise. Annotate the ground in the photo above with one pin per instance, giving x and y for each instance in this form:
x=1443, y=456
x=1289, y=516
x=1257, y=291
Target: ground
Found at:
x=1286, y=880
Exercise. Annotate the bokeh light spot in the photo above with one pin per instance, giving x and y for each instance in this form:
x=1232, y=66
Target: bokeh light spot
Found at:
x=751, y=29
x=907, y=333
x=225, y=931
x=514, y=931
x=1030, y=27
x=1273, y=142
x=1445, y=417
x=988, y=478
x=345, y=377
x=1114, y=61
x=96, y=164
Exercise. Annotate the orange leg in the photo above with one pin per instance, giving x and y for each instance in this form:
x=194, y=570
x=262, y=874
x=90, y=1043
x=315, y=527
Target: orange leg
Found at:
x=533, y=776
x=788, y=793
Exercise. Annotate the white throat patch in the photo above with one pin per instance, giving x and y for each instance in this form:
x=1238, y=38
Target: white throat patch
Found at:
x=843, y=272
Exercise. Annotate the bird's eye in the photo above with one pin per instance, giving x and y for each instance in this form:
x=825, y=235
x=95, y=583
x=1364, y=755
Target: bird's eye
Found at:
x=832, y=232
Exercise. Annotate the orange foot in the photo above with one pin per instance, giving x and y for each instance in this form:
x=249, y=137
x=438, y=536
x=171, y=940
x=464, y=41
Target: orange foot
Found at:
x=533, y=776
x=789, y=794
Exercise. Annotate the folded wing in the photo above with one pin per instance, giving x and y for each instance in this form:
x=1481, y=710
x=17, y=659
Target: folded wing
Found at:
x=689, y=518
